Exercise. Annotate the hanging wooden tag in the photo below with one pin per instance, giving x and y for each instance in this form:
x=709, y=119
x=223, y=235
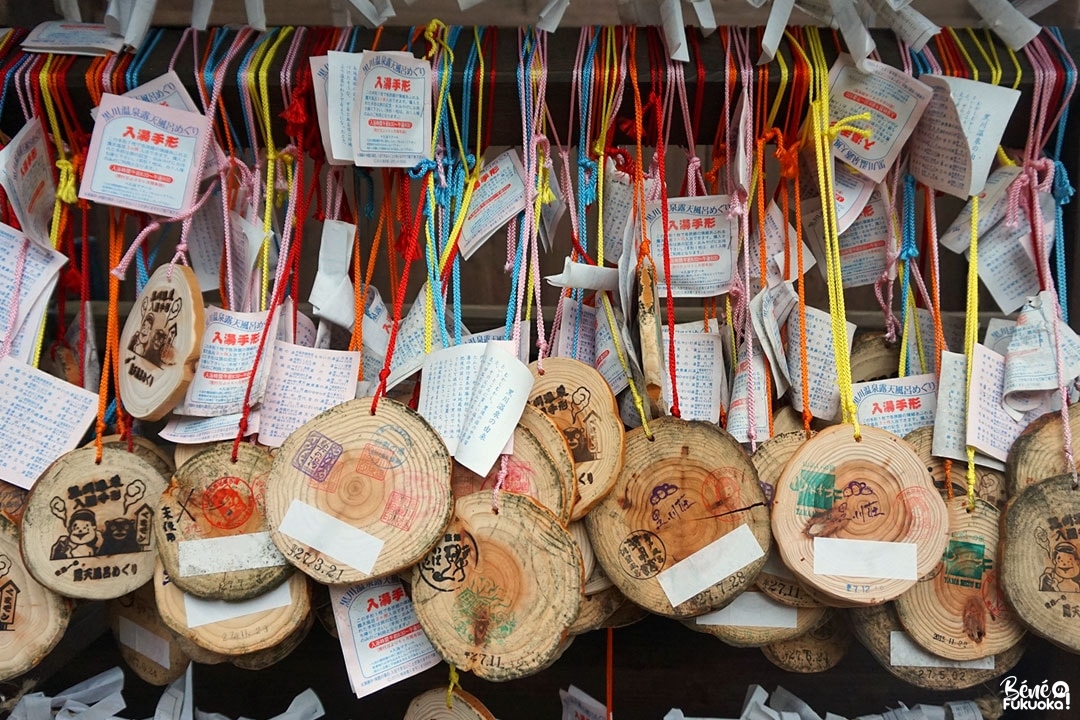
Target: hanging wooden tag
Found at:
x=432, y=706
x=686, y=527
x=145, y=448
x=629, y=613
x=497, y=593
x=577, y=398
x=1038, y=452
x=753, y=619
x=786, y=420
x=879, y=630
x=989, y=483
x=146, y=645
x=87, y=531
x=182, y=453
x=595, y=609
x=649, y=333
x=161, y=343
x=12, y=501
x=262, y=659
x=211, y=526
x=872, y=358
x=354, y=496
x=32, y=617
x=958, y=611
x=581, y=538
x=858, y=520
x=816, y=651
x=552, y=441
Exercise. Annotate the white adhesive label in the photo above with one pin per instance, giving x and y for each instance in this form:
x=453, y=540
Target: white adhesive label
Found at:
x=249, y=551
x=148, y=644
x=753, y=609
x=865, y=559
x=201, y=612
x=327, y=534
x=710, y=565
x=903, y=652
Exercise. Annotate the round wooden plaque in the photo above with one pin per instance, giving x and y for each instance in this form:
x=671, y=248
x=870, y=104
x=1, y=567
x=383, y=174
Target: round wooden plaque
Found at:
x=1039, y=452
x=626, y=615
x=183, y=453
x=816, y=651
x=595, y=609
x=145, y=448
x=580, y=402
x=161, y=343
x=879, y=630
x=989, y=483
x=796, y=622
x=681, y=492
x=554, y=444
x=786, y=420
x=958, y=611
x=12, y=501
x=262, y=659
x=873, y=489
x=32, y=617
x=87, y=530
x=497, y=594
x=375, y=489
x=432, y=706
x=252, y=632
x=146, y=645
x=874, y=359
x=197, y=654
x=588, y=557
x=211, y=526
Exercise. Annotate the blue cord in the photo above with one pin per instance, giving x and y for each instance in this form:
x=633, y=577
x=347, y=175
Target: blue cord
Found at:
x=909, y=251
x=131, y=77
x=1062, y=190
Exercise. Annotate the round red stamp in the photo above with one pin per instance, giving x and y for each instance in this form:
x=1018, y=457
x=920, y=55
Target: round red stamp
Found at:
x=917, y=500
x=228, y=503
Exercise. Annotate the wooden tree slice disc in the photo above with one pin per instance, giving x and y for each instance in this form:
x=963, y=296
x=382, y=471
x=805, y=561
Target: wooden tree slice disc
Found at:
x=580, y=402
x=588, y=557
x=198, y=654
x=597, y=581
x=786, y=420
x=879, y=630
x=61, y=362
x=779, y=624
x=816, y=651
x=87, y=531
x=553, y=442
x=32, y=617
x=989, y=483
x=1039, y=452
x=875, y=489
x=263, y=659
x=145, y=448
x=161, y=343
x=183, y=453
x=432, y=706
x=497, y=594
x=626, y=615
x=872, y=358
x=211, y=528
x=681, y=492
x=595, y=609
x=958, y=611
x=12, y=501
x=375, y=489
x=146, y=645
x=241, y=635
x=529, y=471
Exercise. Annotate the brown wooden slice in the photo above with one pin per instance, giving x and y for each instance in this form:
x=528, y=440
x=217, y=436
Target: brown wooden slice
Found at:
x=958, y=611
x=816, y=651
x=61, y=362
x=547, y=432
x=211, y=526
x=32, y=617
x=754, y=619
x=497, y=594
x=12, y=501
x=879, y=630
x=274, y=618
x=580, y=402
x=989, y=483
x=87, y=531
x=145, y=448
x=161, y=343
x=652, y=362
x=146, y=645
x=198, y=654
x=786, y=420
x=432, y=706
x=872, y=358
x=692, y=489
x=1039, y=452
x=595, y=609
x=588, y=557
x=835, y=490
x=354, y=496
x=183, y=453
x=263, y=659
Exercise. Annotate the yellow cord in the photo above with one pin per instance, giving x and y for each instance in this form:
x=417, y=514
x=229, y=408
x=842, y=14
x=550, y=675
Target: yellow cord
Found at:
x=971, y=331
x=455, y=682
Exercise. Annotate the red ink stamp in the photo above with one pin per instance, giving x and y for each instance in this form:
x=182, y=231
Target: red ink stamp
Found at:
x=228, y=503
x=400, y=511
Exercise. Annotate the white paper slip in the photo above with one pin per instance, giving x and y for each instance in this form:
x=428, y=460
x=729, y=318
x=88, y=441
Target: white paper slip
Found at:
x=606, y=354
x=950, y=418
x=447, y=383
x=779, y=14
x=343, y=72
x=249, y=551
x=148, y=644
x=824, y=394
x=57, y=36
x=786, y=701
x=27, y=177
x=196, y=430
x=229, y=346
x=703, y=242
x=898, y=405
x=993, y=204
x=201, y=611
x=866, y=243
x=1031, y=357
x=391, y=116
x=710, y=565
x=327, y=534
x=576, y=337
x=922, y=336
x=502, y=388
x=781, y=249
x=752, y=609
x=769, y=310
x=579, y=705
x=584, y=276
x=302, y=383
x=1007, y=257
x=911, y=26
x=749, y=377
x=1007, y=22
x=331, y=295
x=498, y=196
x=865, y=559
x=990, y=428
x=41, y=267
x=206, y=242
x=904, y=652
x=320, y=76
x=699, y=375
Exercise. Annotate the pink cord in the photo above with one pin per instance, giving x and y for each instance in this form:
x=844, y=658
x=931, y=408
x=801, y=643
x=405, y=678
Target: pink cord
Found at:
x=13, y=300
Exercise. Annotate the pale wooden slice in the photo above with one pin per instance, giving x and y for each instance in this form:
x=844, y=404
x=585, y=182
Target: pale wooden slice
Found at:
x=588, y=557
x=1039, y=452
x=198, y=654
x=384, y=479
x=32, y=617
x=183, y=453
x=595, y=609
x=146, y=644
x=262, y=659
x=872, y=358
x=432, y=706
x=12, y=501
x=580, y=402
x=597, y=581
x=648, y=320
x=786, y=420
x=688, y=488
x=876, y=489
x=211, y=527
x=878, y=629
x=551, y=439
x=497, y=594
x=87, y=530
x=816, y=651
x=626, y=615
x=248, y=633
x=773, y=628
x=145, y=448
x=161, y=343
x=989, y=483
x=958, y=611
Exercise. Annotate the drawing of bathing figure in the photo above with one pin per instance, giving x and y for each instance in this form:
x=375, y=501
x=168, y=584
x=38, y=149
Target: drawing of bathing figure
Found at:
x=579, y=435
x=1063, y=573
x=82, y=539
x=140, y=341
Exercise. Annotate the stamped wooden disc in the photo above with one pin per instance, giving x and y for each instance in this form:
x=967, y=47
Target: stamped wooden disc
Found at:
x=248, y=633
x=816, y=651
x=735, y=626
x=872, y=489
x=879, y=630
x=989, y=483
x=147, y=646
x=497, y=594
x=12, y=501
x=369, y=490
x=145, y=448
x=432, y=706
x=87, y=530
x=32, y=617
x=872, y=358
x=1039, y=452
x=161, y=343
x=580, y=402
x=595, y=609
x=262, y=659
x=183, y=453
x=211, y=526
x=958, y=611
x=530, y=470
x=547, y=432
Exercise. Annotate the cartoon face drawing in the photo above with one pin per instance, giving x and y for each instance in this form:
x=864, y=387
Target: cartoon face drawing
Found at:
x=1064, y=570
x=82, y=539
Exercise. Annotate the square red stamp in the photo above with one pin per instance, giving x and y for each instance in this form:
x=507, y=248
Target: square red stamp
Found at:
x=400, y=511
